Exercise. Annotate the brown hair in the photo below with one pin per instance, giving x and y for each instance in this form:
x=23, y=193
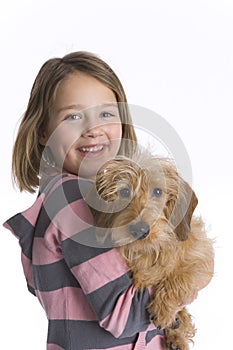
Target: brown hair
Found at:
x=27, y=149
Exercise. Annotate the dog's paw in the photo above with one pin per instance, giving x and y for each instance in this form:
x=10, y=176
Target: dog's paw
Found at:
x=154, y=320
x=174, y=347
x=173, y=325
x=162, y=323
x=176, y=324
x=164, y=314
x=178, y=347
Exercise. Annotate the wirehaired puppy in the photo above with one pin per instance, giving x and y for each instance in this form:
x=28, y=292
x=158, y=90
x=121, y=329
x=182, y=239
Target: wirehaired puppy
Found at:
x=145, y=208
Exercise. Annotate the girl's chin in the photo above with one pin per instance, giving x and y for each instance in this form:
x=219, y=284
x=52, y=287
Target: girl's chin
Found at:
x=87, y=164
x=88, y=168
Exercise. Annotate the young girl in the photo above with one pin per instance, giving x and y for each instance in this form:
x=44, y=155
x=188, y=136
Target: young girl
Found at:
x=74, y=123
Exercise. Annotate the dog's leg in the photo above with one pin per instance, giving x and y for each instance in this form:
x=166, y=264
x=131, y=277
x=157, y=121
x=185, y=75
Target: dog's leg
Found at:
x=179, y=338
x=169, y=298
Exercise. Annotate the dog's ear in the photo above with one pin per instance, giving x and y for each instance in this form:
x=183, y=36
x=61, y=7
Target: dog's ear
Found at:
x=183, y=208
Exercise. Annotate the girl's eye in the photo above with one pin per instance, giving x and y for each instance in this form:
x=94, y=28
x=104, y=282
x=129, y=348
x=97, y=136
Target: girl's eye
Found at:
x=124, y=192
x=74, y=117
x=107, y=114
x=157, y=192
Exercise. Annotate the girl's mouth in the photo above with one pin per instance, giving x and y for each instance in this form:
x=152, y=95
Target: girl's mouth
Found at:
x=91, y=150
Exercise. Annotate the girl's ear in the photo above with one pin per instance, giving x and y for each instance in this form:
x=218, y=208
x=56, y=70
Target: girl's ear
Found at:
x=43, y=138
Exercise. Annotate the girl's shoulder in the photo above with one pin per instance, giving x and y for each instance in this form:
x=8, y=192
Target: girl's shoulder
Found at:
x=65, y=183
x=64, y=206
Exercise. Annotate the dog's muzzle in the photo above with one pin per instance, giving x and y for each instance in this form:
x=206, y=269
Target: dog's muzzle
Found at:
x=140, y=230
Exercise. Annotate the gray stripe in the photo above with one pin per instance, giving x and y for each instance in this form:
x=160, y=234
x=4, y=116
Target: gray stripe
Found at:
x=53, y=276
x=50, y=181
x=138, y=319
x=104, y=299
x=64, y=194
x=25, y=231
x=31, y=289
x=80, y=335
x=151, y=334
x=76, y=253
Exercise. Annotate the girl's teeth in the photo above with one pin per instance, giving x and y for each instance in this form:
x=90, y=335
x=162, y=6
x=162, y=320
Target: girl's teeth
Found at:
x=92, y=149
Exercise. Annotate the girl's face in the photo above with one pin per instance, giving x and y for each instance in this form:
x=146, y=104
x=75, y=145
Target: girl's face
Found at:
x=84, y=128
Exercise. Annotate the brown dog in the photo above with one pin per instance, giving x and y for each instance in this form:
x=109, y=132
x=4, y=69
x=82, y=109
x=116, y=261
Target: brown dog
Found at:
x=147, y=210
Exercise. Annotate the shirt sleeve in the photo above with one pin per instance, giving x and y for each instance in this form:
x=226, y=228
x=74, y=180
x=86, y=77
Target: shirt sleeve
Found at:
x=105, y=280
x=101, y=272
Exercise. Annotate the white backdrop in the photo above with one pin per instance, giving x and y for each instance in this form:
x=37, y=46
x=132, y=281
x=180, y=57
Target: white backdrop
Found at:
x=174, y=57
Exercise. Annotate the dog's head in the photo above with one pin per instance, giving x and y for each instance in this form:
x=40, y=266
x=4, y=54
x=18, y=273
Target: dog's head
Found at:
x=136, y=198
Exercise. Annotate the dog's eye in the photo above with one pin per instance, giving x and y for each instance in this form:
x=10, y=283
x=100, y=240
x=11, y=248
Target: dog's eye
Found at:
x=157, y=192
x=124, y=192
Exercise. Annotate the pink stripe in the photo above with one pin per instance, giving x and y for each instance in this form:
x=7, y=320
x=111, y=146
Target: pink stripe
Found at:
x=73, y=218
x=100, y=270
x=47, y=250
x=53, y=347
x=27, y=268
x=115, y=322
x=157, y=343
x=66, y=303
x=31, y=214
x=141, y=341
x=70, y=220
x=151, y=327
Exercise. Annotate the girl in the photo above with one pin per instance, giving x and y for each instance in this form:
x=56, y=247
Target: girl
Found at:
x=75, y=122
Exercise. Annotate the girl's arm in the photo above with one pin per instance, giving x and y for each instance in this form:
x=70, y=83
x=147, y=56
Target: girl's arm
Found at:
x=101, y=272
x=105, y=280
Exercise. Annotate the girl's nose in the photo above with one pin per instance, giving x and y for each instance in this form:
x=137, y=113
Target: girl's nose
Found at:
x=93, y=132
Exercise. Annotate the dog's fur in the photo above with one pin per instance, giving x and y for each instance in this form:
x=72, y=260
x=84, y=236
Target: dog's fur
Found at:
x=150, y=216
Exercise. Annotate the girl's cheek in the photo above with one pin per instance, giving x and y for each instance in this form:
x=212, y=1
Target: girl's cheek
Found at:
x=62, y=141
x=116, y=131
x=65, y=135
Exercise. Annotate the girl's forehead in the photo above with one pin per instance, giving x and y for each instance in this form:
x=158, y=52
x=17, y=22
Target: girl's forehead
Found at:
x=83, y=91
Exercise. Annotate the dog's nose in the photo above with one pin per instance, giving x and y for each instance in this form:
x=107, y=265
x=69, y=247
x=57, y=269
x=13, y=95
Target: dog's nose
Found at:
x=140, y=230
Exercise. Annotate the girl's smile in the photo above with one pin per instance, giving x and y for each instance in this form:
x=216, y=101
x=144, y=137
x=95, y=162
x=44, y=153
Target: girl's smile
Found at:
x=84, y=128
x=92, y=150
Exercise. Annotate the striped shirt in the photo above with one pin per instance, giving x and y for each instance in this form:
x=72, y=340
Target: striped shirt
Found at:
x=86, y=290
